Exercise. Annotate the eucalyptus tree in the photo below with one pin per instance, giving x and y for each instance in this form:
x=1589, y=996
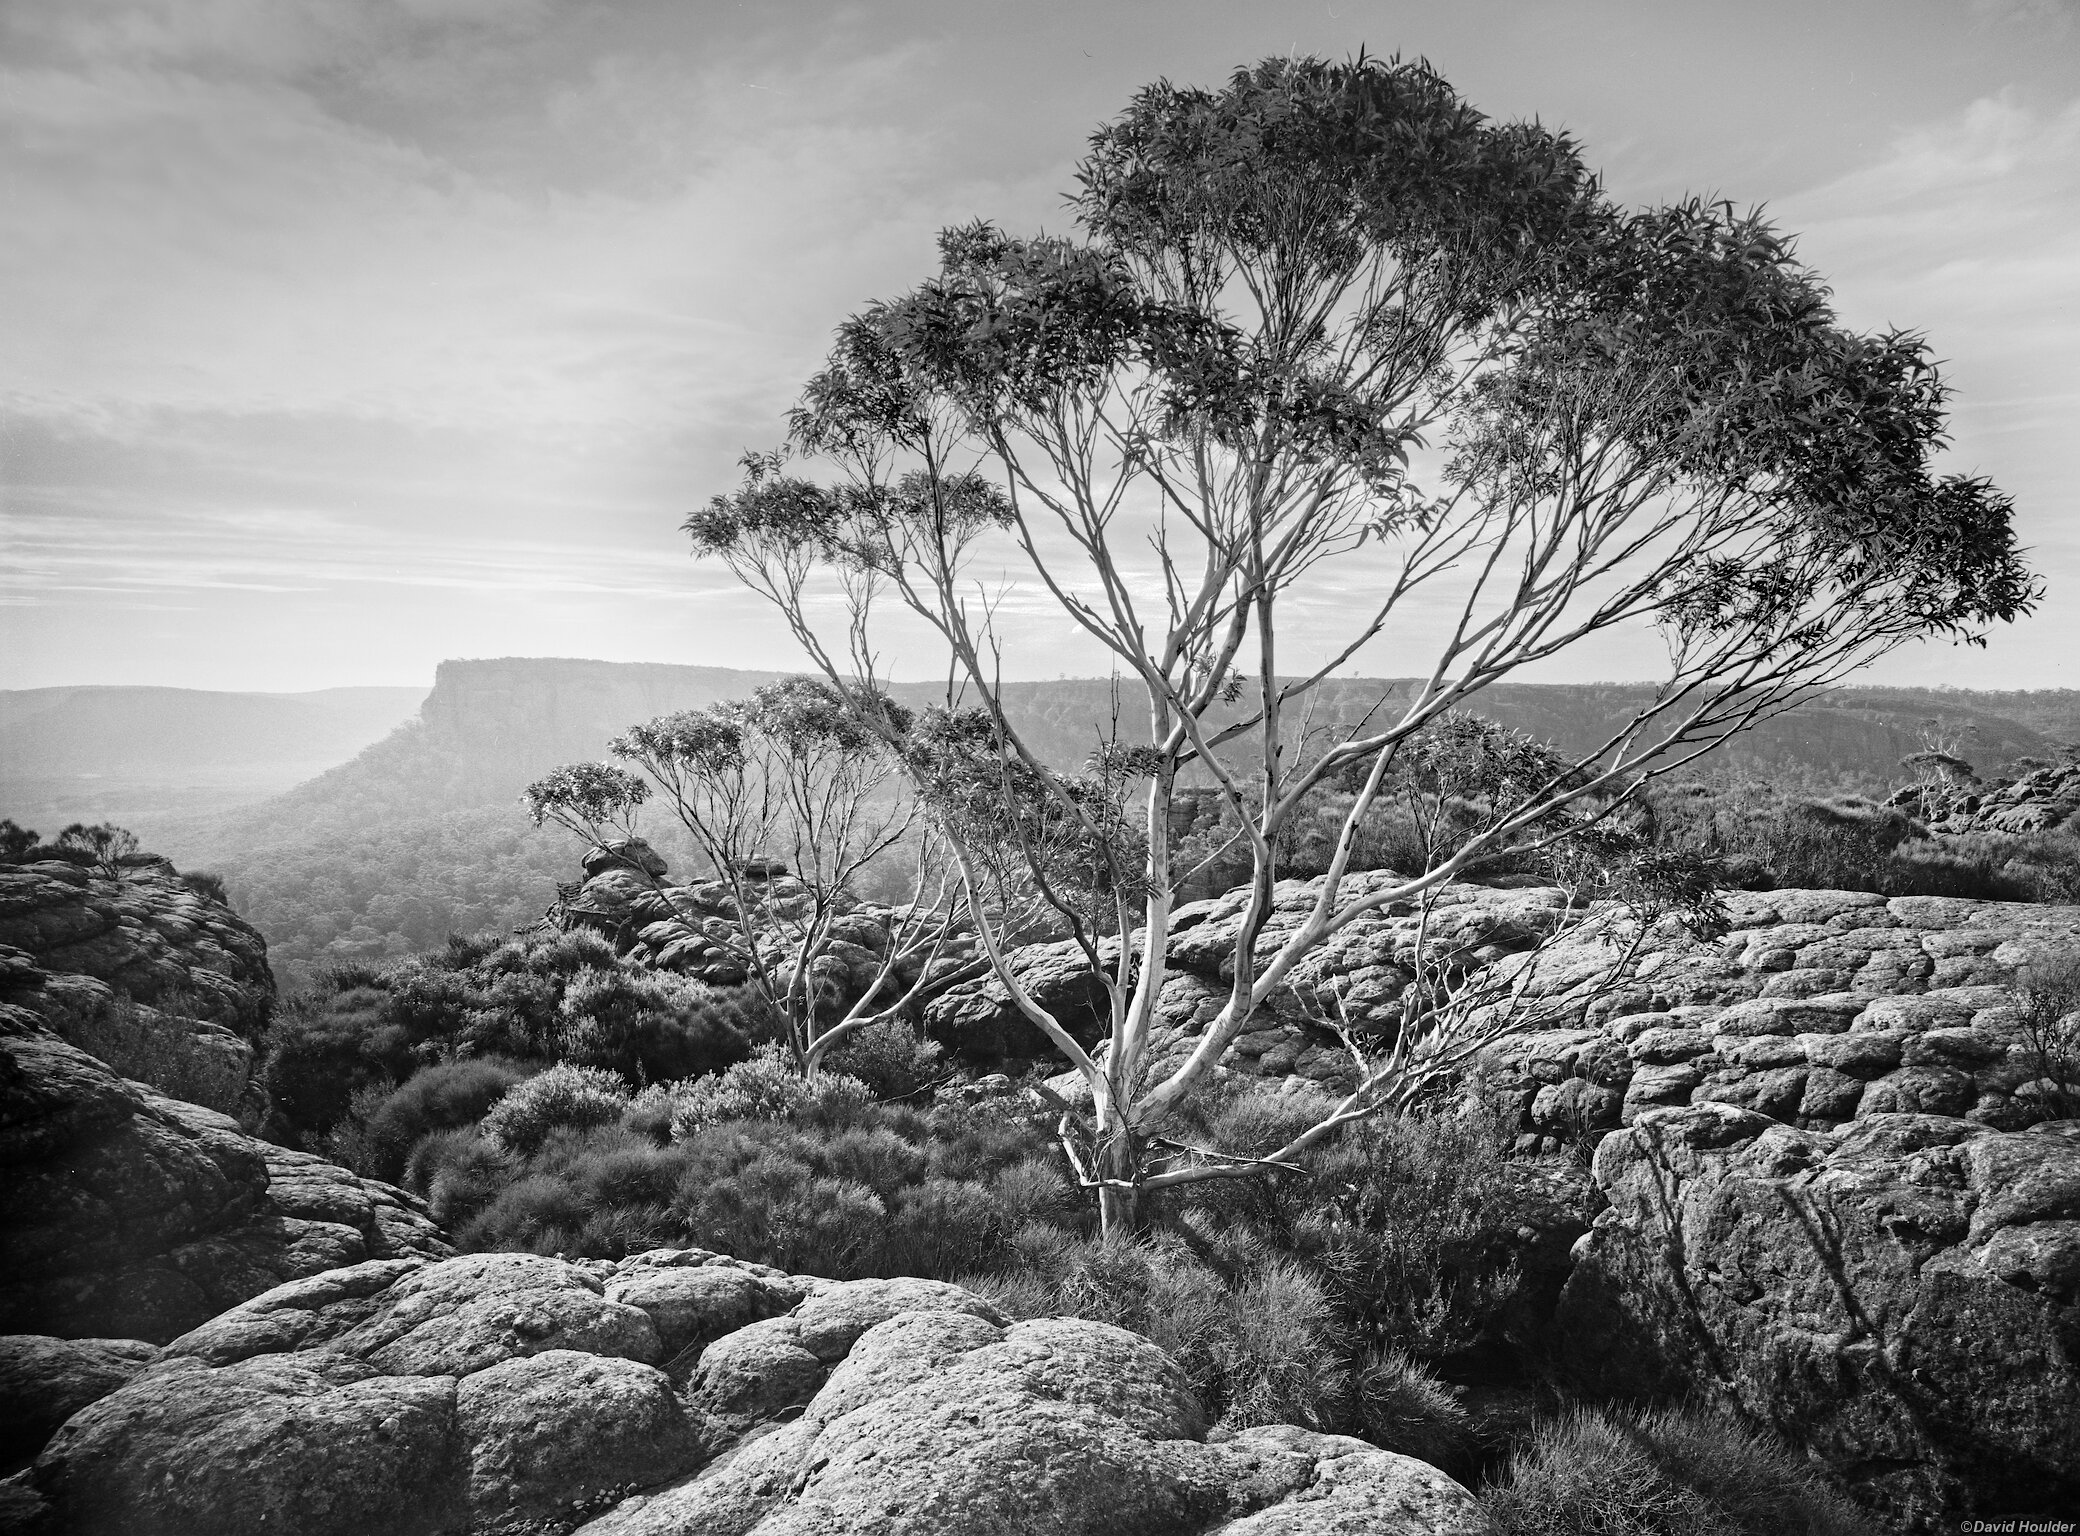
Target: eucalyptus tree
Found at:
x=1325, y=319
x=790, y=798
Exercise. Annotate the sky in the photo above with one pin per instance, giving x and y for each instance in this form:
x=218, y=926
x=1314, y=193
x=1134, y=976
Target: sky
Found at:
x=339, y=337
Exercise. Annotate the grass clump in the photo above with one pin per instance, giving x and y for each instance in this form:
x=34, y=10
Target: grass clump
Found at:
x=1661, y=1472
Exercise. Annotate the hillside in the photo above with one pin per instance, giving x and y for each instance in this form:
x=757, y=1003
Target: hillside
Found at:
x=420, y=834
x=133, y=754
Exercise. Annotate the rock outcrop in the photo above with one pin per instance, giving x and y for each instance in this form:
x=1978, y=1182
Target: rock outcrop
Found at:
x=694, y=930
x=125, y=1213
x=1900, y=1295
x=683, y=1391
x=1816, y=1008
x=142, y=932
x=2045, y=800
x=161, y=982
x=45, y=1381
x=1355, y=978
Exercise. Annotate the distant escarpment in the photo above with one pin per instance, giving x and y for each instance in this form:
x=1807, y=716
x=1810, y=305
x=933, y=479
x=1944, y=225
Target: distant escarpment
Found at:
x=420, y=835
x=133, y=1205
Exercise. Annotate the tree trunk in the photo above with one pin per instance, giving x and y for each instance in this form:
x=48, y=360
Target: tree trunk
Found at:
x=1120, y=1212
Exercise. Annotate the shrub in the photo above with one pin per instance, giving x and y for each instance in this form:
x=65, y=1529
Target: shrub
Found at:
x=1281, y=1359
x=1412, y=1222
x=16, y=842
x=104, y=845
x=1400, y=1406
x=535, y=1213
x=780, y=1208
x=763, y=1087
x=1661, y=1472
x=457, y=1173
x=645, y=1024
x=347, y=1142
x=1263, y=1349
x=206, y=885
x=891, y=1058
x=650, y=1112
x=562, y=1097
x=317, y=1053
x=2047, y=995
x=442, y=1097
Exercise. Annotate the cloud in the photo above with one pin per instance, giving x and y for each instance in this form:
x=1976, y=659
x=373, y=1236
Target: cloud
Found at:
x=1969, y=230
x=178, y=239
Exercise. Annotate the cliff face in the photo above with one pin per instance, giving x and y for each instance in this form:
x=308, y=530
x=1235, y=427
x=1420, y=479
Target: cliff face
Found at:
x=518, y=716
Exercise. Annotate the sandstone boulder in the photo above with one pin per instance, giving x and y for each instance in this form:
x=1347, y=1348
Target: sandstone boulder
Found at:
x=126, y=1213
x=144, y=934
x=1900, y=1295
x=949, y=1422
x=45, y=1381
x=303, y=1443
x=528, y=1458
x=508, y=1391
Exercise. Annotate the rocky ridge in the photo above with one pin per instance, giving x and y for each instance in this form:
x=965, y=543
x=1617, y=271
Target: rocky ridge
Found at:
x=679, y=1391
x=2043, y=800
x=162, y=982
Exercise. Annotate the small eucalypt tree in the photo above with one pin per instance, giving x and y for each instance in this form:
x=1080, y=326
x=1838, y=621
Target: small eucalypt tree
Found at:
x=1330, y=344
x=790, y=799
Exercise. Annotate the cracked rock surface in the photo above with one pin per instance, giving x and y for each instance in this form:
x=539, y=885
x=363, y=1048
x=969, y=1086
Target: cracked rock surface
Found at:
x=127, y=1214
x=1900, y=1295
x=686, y=1392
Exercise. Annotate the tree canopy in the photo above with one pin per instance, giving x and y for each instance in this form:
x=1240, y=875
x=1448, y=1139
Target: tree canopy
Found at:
x=1328, y=310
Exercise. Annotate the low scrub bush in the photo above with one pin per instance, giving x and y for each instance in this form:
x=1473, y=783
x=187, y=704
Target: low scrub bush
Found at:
x=764, y=1087
x=1661, y=1472
x=821, y=1182
x=1769, y=840
x=1413, y=1222
x=892, y=1058
x=458, y=1173
x=1399, y=1405
x=644, y=1025
x=563, y=1098
x=449, y=1096
x=210, y=887
x=540, y=999
x=317, y=1053
x=2047, y=998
